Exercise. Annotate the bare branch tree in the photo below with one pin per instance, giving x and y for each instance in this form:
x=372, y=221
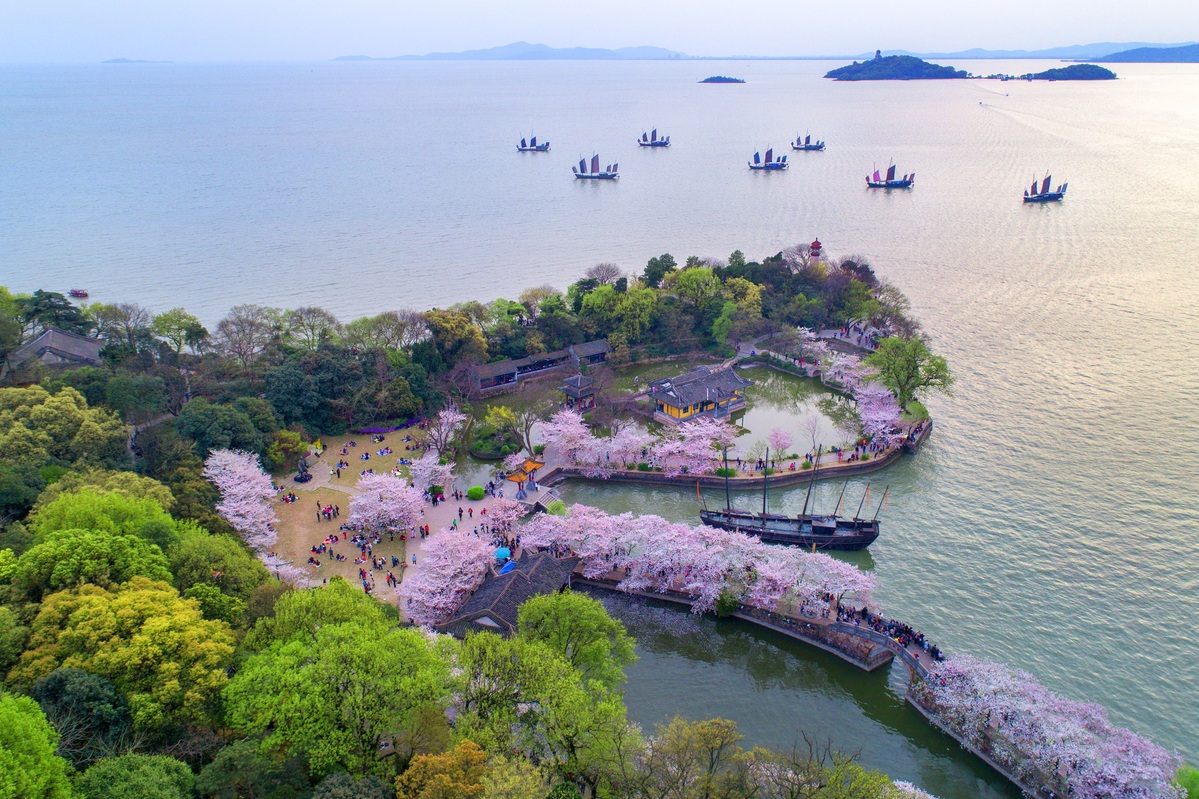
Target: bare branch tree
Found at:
x=604, y=274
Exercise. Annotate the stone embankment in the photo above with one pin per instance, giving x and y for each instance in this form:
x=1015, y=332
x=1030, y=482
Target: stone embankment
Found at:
x=857, y=645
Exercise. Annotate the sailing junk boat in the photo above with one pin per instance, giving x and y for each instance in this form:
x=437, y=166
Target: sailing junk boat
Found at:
x=531, y=146
x=768, y=163
x=891, y=182
x=607, y=173
x=806, y=144
x=652, y=139
x=1032, y=195
x=808, y=530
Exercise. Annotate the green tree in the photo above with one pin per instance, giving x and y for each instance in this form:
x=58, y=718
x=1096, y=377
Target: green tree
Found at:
x=216, y=605
x=36, y=424
x=94, y=509
x=201, y=558
x=1188, y=780
x=218, y=427
x=578, y=627
x=239, y=771
x=298, y=615
x=178, y=328
x=136, y=776
x=90, y=715
x=457, y=335
x=340, y=696
x=155, y=646
x=513, y=778
x=456, y=774
x=340, y=785
x=13, y=634
x=129, y=484
x=20, y=485
x=44, y=309
x=906, y=366
x=656, y=269
x=286, y=448
x=28, y=766
x=69, y=558
x=698, y=286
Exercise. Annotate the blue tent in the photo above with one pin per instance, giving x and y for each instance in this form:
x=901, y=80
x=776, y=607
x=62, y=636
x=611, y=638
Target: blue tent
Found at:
x=503, y=552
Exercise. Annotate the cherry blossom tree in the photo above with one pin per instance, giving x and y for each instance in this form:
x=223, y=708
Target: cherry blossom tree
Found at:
x=385, y=503
x=628, y=444
x=442, y=433
x=513, y=462
x=428, y=470
x=247, y=496
x=906, y=790
x=648, y=553
x=880, y=413
x=569, y=435
x=694, y=446
x=1070, y=747
x=505, y=512
x=779, y=440
x=812, y=347
x=452, y=565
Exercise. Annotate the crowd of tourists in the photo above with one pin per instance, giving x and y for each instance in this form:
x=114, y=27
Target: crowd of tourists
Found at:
x=896, y=630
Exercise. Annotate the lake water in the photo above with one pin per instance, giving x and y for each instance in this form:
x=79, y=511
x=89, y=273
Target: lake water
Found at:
x=1051, y=522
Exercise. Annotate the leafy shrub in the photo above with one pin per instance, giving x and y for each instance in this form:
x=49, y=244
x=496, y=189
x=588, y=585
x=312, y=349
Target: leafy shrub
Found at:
x=723, y=472
x=806, y=465
x=726, y=604
x=538, y=449
x=865, y=456
x=556, y=508
x=643, y=467
x=474, y=493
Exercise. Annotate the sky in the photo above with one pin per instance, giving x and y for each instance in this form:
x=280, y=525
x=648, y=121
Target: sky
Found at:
x=67, y=31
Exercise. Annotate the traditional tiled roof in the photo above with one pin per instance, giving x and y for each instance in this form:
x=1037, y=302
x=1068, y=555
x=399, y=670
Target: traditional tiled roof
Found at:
x=56, y=347
x=700, y=384
x=577, y=386
x=487, y=371
x=494, y=604
x=591, y=348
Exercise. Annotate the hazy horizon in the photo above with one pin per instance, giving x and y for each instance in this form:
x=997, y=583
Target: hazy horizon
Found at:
x=316, y=30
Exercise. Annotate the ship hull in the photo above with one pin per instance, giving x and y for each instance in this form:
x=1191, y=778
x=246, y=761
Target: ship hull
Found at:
x=768, y=167
x=808, y=148
x=1051, y=197
x=847, y=535
x=541, y=148
x=890, y=184
x=597, y=176
x=653, y=144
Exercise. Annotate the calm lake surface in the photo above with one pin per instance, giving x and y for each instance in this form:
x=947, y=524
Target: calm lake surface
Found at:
x=1051, y=522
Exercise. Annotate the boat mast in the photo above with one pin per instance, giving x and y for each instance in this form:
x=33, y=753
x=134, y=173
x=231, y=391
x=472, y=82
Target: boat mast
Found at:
x=865, y=494
x=765, y=469
x=728, y=502
x=837, y=512
x=881, y=502
x=815, y=466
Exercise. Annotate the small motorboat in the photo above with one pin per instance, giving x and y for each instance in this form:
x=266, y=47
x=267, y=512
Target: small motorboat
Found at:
x=79, y=294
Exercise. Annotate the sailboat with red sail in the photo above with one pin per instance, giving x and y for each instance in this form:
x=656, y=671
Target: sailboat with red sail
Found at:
x=877, y=181
x=1043, y=194
x=609, y=172
x=768, y=163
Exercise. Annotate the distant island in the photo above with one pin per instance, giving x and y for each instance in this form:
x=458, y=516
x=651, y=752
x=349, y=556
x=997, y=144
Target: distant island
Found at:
x=524, y=51
x=1075, y=72
x=722, y=79
x=895, y=67
x=1187, y=54
x=132, y=61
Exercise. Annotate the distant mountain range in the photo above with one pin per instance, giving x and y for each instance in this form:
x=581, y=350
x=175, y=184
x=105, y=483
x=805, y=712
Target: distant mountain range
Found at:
x=1082, y=52
x=524, y=51
x=1187, y=54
